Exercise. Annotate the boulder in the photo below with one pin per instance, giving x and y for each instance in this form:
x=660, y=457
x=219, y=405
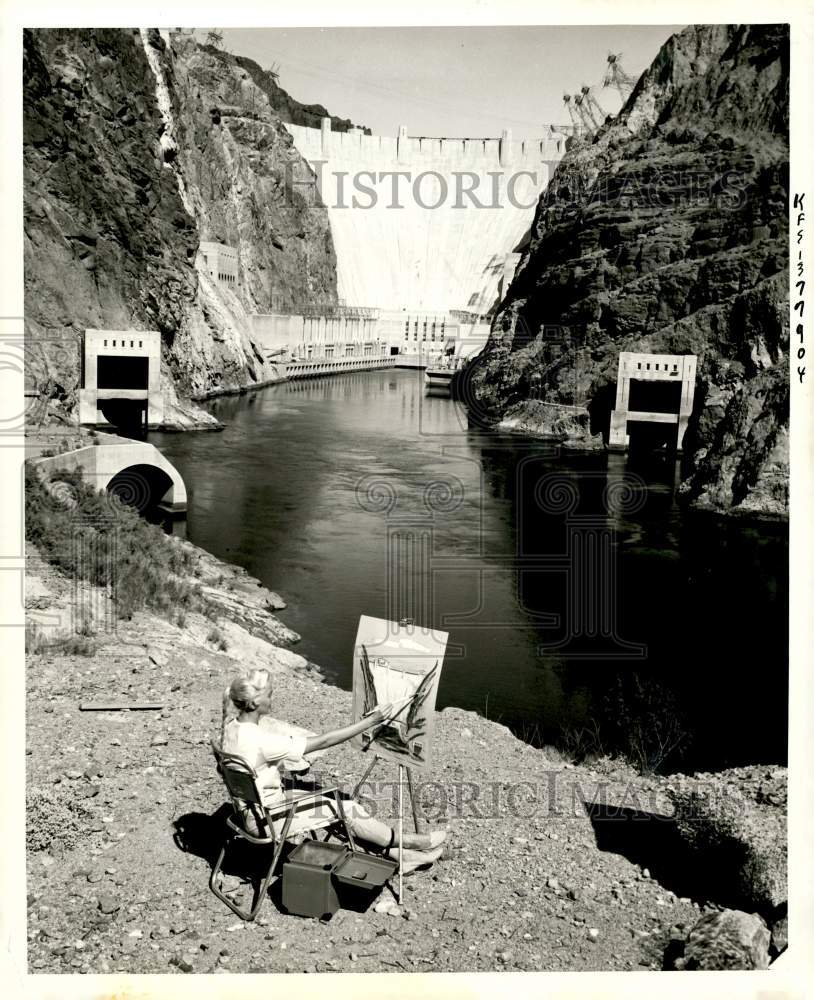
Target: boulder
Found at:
x=780, y=936
x=569, y=425
x=729, y=939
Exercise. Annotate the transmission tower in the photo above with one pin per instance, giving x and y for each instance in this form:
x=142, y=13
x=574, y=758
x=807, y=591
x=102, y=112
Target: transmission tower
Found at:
x=585, y=113
x=577, y=123
x=589, y=99
x=615, y=76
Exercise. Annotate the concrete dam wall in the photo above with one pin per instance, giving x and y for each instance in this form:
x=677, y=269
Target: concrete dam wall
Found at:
x=425, y=224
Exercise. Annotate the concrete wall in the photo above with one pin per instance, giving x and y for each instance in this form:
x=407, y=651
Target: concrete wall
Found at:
x=510, y=263
x=679, y=368
x=220, y=262
x=100, y=463
x=458, y=153
x=432, y=334
x=306, y=336
x=120, y=344
x=420, y=333
x=414, y=238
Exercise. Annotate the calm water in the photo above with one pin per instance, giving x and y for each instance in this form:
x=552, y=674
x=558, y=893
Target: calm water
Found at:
x=579, y=598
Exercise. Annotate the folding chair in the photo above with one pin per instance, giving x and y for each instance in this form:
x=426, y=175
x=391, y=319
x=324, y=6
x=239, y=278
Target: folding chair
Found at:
x=241, y=782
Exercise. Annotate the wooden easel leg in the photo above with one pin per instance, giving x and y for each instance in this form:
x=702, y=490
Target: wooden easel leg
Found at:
x=401, y=830
x=364, y=777
x=417, y=820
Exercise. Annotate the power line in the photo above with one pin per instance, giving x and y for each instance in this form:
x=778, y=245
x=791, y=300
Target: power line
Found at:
x=309, y=70
x=320, y=73
x=408, y=97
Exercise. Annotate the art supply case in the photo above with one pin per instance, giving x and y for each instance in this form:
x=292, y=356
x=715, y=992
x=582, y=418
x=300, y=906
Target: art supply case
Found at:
x=319, y=878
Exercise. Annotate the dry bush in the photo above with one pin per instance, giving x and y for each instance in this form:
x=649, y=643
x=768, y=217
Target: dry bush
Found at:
x=54, y=823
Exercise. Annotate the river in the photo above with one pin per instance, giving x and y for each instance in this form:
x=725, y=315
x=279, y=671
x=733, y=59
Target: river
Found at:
x=584, y=606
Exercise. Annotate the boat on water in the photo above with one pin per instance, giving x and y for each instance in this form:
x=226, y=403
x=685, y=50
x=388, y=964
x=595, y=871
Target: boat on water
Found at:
x=440, y=374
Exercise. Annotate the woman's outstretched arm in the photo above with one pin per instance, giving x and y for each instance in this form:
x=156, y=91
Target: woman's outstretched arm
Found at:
x=379, y=715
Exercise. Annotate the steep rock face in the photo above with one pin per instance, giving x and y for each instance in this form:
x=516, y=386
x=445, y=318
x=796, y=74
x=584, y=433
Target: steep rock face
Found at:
x=283, y=103
x=249, y=187
x=107, y=240
x=667, y=233
x=127, y=169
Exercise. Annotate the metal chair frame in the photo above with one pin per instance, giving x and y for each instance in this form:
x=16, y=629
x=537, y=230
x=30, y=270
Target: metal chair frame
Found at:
x=240, y=779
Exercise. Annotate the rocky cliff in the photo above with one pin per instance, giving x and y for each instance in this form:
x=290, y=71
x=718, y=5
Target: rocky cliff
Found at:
x=666, y=232
x=138, y=145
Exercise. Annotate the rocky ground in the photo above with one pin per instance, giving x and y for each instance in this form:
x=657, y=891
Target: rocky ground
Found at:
x=548, y=866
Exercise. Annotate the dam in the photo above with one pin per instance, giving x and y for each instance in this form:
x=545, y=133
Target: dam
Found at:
x=426, y=225
x=426, y=233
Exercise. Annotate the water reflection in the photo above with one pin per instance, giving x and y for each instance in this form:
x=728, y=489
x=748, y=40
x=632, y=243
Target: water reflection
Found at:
x=578, y=596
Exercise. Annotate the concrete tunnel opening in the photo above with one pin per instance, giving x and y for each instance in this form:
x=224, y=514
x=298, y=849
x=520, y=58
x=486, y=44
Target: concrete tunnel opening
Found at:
x=144, y=487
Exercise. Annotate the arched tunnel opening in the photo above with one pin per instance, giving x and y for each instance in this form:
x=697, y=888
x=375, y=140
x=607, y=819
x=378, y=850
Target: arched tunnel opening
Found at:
x=143, y=487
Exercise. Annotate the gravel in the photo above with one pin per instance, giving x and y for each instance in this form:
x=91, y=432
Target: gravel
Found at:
x=502, y=897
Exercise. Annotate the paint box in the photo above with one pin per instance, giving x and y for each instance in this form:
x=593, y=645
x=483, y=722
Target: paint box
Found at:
x=319, y=878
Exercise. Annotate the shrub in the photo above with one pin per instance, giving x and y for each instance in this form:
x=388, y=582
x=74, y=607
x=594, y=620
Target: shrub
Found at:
x=109, y=544
x=217, y=638
x=54, y=823
x=34, y=641
x=644, y=722
x=85, y=627
x=73, y=645
x=80, y=644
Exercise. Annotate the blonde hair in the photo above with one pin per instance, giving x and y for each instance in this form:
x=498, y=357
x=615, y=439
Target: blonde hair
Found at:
x=242, y=693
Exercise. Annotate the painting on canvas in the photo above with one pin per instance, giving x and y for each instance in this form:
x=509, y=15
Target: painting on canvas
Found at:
x=393, y=662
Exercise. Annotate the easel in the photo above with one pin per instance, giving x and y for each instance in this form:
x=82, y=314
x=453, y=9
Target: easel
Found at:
x=430, y=652
x=416, y=818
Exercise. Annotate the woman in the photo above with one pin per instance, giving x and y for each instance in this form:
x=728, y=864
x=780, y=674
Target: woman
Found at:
x=266, y=751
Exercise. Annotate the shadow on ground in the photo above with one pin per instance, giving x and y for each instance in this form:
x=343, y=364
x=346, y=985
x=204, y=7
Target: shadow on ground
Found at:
x=652, y=841
x=203, y=835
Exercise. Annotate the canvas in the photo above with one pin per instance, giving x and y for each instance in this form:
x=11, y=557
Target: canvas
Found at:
x=392, y=662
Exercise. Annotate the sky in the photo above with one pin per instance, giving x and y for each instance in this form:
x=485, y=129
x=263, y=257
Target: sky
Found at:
x=448, y=81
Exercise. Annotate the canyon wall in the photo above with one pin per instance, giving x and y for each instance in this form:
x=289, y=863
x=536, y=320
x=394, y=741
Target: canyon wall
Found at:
x=138, y=145
x=666, y=232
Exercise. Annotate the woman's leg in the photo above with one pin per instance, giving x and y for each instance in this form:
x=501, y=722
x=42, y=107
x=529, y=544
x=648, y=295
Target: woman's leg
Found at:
x=362, y=825
x=366, y=827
